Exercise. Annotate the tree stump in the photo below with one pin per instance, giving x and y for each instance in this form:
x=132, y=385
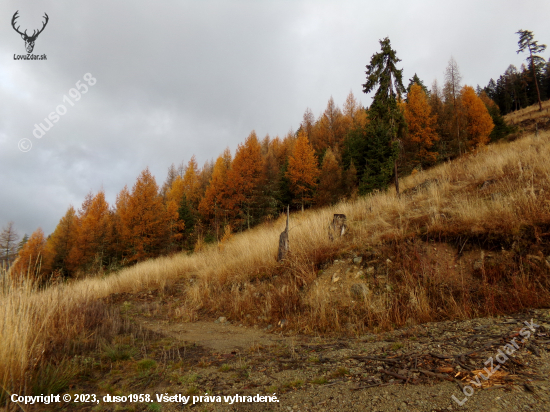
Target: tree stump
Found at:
x=337, y=228
x=284, y=246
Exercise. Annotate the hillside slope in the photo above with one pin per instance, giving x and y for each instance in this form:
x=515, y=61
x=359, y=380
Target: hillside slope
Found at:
x=466, y=239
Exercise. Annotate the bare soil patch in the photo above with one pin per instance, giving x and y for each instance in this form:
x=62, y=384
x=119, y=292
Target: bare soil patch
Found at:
x=221, y=338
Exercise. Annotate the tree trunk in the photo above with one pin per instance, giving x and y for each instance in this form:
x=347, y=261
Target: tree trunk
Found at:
x=337, y=228
x=535, y=78
x=284, y=246
x=396, y=177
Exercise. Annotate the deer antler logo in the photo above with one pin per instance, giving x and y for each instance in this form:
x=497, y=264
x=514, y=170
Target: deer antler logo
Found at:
x=29, y=40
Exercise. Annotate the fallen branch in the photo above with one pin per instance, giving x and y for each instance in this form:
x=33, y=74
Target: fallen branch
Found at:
x=433, y=374
x=395, y=375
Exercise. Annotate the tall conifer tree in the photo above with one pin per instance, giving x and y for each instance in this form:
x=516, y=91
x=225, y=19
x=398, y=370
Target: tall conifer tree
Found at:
x=384, y=76
x=527, y=42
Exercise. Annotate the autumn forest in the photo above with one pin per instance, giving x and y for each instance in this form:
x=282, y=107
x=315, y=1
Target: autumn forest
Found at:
x=344, y=152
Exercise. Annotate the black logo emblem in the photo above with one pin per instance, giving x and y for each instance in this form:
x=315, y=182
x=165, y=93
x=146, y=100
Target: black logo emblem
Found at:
x=29, y=40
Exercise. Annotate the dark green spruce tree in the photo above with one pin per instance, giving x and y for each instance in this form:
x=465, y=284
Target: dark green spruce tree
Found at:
x=188, y=216
x=416, y=79
x=387, y=122
x=536, y=63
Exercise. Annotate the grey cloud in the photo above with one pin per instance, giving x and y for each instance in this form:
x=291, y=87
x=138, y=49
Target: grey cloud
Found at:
x=193, y=77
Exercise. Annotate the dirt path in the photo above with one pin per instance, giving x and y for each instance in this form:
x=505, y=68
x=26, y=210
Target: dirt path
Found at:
x=222, y=338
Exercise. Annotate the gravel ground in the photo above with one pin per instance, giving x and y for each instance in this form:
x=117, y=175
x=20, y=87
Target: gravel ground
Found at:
x=419, y=368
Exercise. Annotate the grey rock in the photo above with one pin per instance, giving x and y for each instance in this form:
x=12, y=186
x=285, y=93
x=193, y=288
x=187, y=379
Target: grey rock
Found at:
x=358, y=290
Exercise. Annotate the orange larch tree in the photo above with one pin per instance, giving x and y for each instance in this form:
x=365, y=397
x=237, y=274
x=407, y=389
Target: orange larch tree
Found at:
x=213, y=205
x=192, y=183
x=286, y=148
x=172, y=174
x=176, y=191
x=330, y=181
x=205, y=176
x=308, y=124
x=92, y=233
x=488, y=102
x=176, y=225
x=276, y=146
x=302, y=170
x=123, y=245
x=419, y=141
x=63, y=240
x=144, y=219
x=245, y=182
x=330, y=129
x=265, y=144
x=479, y=123
x=355, y=114
x=34, y=261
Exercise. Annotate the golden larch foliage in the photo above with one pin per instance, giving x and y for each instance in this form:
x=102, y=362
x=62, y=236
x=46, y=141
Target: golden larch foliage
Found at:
x=63, y=240
x=479, y=123
x=355, y=115
x=213, y=197
x=302, y=170
x=174, y=197
x=488, y=102
x=143, y=218
x=421, y=124
x=34, y=259
x=330, y=129
x=192, y=183
x=92, y=231
x=175, y=225
x=308, y=124
x=245, y=178
x=176, y=191
x=282, y=149
x=330, y=181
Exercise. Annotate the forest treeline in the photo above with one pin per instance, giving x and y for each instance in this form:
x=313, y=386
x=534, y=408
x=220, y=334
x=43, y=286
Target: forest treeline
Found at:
x=342, y=153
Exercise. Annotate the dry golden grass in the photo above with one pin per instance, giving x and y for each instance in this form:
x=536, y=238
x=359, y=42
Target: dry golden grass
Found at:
x=498, y=197
x=527, y=113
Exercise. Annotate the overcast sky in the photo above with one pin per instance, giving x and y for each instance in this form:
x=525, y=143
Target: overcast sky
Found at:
x=177, y=78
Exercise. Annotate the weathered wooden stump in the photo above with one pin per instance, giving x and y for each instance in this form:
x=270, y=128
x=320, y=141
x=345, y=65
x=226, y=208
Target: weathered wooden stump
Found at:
x=284, y=246
x=337, y=228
